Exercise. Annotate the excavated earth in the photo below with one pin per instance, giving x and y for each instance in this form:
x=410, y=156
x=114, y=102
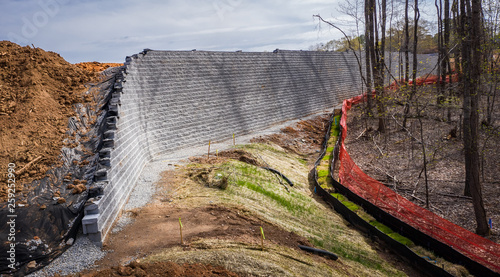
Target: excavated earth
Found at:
x=38, y=91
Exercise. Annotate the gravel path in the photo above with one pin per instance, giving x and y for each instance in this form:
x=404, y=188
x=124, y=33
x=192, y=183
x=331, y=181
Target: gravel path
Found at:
x=83, y=253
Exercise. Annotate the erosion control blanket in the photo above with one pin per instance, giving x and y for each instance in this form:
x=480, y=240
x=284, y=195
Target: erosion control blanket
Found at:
x=475, y=247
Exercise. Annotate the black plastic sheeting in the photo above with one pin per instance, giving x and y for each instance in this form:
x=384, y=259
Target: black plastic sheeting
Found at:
x=320, y=252
x=279, y=174
x=42, y=234
x=411, y=257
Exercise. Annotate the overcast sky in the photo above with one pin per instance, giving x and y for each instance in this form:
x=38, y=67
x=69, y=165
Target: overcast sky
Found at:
x=107, y=31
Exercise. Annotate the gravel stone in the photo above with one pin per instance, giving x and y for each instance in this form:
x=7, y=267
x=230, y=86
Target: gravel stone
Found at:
x=81, y=255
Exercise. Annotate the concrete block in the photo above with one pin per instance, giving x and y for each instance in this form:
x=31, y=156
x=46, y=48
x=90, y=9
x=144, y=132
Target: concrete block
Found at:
x=89, y=223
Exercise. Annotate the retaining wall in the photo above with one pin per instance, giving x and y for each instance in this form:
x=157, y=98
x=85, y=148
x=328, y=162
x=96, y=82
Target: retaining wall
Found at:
x=168, y=100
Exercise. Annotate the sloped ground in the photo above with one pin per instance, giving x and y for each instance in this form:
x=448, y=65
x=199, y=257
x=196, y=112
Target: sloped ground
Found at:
x=96, y=67
x=395, y=158
x=222, y=203
x=37, y=93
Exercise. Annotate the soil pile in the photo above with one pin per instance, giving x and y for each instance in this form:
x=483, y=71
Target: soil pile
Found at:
x=37, y=93
x=303, y=138
x=97, y=67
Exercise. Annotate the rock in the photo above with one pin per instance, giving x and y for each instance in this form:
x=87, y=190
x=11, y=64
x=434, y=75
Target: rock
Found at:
x=135, y=264
x=124, y=270
x=31, y=265
x=43, y=207
x=70, y=241
x=61, y=200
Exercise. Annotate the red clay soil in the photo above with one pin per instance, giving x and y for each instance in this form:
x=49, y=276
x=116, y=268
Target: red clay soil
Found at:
x=96, y=67
x=37, y=93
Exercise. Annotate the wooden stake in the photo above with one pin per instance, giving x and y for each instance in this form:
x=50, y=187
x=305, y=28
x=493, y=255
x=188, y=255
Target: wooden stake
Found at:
x=234, y=141
x=262, y=238
x=209, y=149
x=180, y=228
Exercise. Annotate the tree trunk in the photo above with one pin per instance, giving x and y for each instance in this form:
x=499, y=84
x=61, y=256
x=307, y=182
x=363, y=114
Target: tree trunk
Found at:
x=471, y=65
x=381, y=70
x=415, y=42
x=368, y=44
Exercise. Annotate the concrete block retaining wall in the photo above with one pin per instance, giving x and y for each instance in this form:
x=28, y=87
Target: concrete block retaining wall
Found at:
x=168, y=100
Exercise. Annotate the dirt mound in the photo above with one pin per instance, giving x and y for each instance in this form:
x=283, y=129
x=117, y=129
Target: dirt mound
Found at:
x=164, y=269
x=96, y=67
x=304, y=137
x=38, y=90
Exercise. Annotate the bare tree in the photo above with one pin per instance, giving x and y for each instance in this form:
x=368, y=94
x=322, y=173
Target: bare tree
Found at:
x=471, y=34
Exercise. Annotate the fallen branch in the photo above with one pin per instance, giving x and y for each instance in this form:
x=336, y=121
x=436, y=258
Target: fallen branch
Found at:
x=381, y=153
x=454, y=195
x=362, y=133
x=27, y=166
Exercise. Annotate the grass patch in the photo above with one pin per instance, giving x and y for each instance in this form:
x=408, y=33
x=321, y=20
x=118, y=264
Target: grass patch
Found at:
x=339, y=196
x=327, y=158
x=259, y=192
x=322, y=173
x=384, y=229
x=404, y=240
x=351, y=206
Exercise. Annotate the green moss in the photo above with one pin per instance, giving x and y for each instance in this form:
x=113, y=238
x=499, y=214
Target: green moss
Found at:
x=351, y=206
x=339, y=196
x=327, y=158
x=403, y=240
x=330, y=149
x=381, y=227
x=322, y=173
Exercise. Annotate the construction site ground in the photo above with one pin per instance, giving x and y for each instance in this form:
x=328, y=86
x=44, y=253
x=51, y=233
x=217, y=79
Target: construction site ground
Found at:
x=224, y=201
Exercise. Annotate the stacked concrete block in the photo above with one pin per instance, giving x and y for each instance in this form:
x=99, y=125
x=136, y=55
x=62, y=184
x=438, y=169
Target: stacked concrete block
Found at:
x=168, y=100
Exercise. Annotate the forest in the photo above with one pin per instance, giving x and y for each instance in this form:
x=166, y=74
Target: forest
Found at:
x=464, y=34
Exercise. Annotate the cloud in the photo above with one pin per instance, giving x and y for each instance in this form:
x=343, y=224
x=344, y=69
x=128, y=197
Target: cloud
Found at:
x=85, y=30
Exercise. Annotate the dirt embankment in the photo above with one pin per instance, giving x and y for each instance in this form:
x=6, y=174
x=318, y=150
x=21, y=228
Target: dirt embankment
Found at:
x=37, y=93
x=96, y=67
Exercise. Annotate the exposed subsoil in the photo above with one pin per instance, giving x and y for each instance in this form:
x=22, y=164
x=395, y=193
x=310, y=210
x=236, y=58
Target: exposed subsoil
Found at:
x=303, y=138
x=155, y=227
x=96, y=67
x=395, y=158
x=37, y=92
x=164, y=269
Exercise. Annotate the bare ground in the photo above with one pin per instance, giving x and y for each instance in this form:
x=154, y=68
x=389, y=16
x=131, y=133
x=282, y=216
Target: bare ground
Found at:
x=208, y=226
x=395, y=158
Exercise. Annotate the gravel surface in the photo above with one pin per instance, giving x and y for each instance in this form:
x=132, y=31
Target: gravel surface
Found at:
x=83, y=254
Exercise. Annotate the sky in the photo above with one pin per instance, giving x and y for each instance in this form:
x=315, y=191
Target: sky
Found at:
x=108, y=31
